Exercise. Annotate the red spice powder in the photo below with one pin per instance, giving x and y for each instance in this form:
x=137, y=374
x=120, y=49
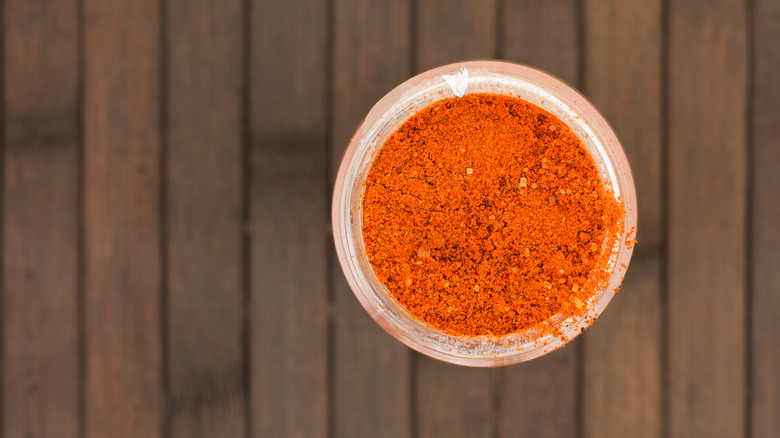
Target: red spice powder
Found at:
x=486, y=215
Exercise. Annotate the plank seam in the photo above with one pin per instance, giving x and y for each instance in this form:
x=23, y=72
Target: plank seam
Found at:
x=498, y=25
x=413, y=420
x=413, y=36
x=665, y=218
x=496, y=378
x=81, y=262
x=246, y=182
x=581, y=46
x=749, y=203
x=2, y=218
x=330, y=297
x=165, y=422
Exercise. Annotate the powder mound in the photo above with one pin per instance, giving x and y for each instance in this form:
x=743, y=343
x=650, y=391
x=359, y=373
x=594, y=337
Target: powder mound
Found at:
x=486, y=215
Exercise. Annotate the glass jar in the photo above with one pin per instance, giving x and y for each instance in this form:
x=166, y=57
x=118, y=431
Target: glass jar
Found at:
x=390, y=112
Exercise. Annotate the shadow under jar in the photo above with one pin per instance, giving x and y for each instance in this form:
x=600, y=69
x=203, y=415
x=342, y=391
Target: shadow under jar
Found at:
x=390, y=113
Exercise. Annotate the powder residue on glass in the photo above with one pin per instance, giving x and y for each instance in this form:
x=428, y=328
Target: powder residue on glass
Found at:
x=486, y=215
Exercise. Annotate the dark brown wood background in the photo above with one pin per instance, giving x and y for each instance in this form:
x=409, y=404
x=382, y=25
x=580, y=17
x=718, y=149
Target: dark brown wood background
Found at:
x=167, y=262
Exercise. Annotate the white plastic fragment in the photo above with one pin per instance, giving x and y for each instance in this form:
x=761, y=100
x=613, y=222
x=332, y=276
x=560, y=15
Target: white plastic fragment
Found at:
x=458, y=81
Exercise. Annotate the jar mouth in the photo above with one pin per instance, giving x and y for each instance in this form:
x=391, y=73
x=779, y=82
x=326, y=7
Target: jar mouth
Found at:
x=395, y=108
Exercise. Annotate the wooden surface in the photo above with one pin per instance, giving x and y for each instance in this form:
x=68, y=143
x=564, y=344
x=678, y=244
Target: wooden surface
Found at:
x=167, y=259
x=764, y=214
x=288, y=214
x=121, y=237
x=40, y=238
x=203, y=219
x=622, y=74
x=371, y=371
x=706, y=252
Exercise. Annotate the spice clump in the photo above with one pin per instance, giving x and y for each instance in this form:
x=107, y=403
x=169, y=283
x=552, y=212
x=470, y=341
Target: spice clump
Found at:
x=486, y=215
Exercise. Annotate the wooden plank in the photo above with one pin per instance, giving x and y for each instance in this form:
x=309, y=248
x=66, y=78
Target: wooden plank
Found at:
x=542, y=34
x=289, y=211
x=40, y=219
x=539, y=398
x=707, y=86
x=371, y=369
x=454, y=30
x=622, y=360
x=623, y=80
x=765, y=214
x=453, y=401
x=206, y=392
x=122, y=218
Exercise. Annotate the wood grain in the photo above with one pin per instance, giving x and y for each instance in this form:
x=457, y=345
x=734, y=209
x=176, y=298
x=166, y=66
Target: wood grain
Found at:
x=539, y=398
x=454, y=30
x=707, y=85
x=206, y=391
x=39, y=229
x=453, y=401
x=622, y=352
x=542, y=34
x=289, y=205
x=622, y=78
x=622, y=367
x=371, y=55
x=122, y=218
x=765, y=238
